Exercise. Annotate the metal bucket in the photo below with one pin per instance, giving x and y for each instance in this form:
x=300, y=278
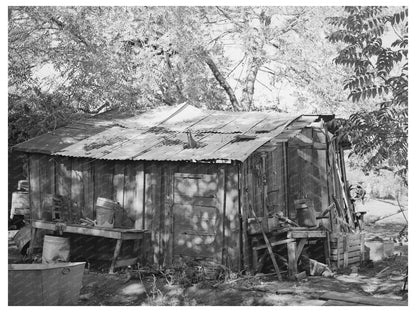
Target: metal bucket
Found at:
x=55, y=249
x=305, y=215
x=105, y=212
x=20, y=204
x=45, y=284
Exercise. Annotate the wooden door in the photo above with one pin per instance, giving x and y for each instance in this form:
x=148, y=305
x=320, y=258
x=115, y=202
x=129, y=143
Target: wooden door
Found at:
x=196, y=216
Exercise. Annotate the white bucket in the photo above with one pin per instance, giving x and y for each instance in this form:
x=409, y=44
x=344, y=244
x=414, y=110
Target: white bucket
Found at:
x=55, y=249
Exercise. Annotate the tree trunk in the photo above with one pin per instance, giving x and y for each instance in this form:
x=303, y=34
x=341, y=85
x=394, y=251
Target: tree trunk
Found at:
x=223, y=83
x=248, y=90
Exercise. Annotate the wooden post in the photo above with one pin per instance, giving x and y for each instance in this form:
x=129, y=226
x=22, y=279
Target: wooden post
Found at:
x=301, y=244
x=291, y=257
x=269, y=247
x=327, y=249
x=115, y=256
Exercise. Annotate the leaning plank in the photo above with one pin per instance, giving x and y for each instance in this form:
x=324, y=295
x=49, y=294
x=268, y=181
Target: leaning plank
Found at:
x=269, y=248
x=354, y=298
x=280, y=242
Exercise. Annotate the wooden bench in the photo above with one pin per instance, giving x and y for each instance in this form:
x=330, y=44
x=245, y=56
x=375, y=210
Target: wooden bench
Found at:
x=114, y=233
x=295, y=239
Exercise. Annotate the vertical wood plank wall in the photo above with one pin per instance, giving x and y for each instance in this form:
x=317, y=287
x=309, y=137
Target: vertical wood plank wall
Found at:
x=308, y=171
x=275, y=177
x=231, y=218
x=34, y=185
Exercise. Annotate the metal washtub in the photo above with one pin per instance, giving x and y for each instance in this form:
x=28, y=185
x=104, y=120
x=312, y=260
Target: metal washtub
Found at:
x=45, y=284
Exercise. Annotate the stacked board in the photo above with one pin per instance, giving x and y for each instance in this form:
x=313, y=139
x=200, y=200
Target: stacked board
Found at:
x=346, y=249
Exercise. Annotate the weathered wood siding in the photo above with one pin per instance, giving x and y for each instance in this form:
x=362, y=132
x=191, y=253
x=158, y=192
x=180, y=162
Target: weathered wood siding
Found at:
x=275, y=180
x=307, y=168
x=150, y=195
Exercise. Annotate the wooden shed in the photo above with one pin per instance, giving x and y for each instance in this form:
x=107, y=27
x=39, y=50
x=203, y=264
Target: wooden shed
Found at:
x=190, y=182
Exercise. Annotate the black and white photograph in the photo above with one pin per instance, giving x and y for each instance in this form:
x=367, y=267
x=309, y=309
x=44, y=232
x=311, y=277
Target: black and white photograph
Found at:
x=207, y=154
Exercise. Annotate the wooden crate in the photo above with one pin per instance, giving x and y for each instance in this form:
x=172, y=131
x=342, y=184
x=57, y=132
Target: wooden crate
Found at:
x=346, y=249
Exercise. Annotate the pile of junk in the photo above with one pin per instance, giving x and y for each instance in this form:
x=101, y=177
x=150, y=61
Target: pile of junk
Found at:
x=58, y=281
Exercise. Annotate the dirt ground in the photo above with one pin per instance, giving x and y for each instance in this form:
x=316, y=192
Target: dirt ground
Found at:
x=382, y=279
x=104, y=289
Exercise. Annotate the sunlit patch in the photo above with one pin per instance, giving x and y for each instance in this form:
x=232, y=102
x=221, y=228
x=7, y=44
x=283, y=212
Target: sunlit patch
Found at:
x=133, y=289
x=197, y=240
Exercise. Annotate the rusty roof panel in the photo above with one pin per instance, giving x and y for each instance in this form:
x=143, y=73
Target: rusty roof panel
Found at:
x=161, y=134
x=57, y=140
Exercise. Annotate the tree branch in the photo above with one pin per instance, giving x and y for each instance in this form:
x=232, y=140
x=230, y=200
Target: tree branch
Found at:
x=62, y=26
x=223, y=82
x=94, y=112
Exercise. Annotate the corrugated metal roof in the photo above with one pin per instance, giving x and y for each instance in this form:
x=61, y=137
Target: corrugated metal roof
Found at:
x=161, y=134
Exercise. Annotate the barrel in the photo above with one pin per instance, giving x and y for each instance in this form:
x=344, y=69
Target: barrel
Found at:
x=55, y=249
x=20, y=204
x=305, y=215
x=105, y=212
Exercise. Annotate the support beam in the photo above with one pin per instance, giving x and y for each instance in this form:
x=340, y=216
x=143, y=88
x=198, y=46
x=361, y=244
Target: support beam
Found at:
x=299, y=248
x=327, y=249
x=291, y=257
x=117, y=250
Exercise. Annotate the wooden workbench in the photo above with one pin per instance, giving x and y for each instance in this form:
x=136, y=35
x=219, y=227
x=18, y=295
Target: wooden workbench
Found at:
x=295, y=239
x=114, y=233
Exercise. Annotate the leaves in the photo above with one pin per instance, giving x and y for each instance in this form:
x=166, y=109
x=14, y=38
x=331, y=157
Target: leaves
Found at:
x=399, y=17
x=381, y=133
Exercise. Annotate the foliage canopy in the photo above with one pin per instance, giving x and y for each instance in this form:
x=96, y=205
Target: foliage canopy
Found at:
x=380, y=72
